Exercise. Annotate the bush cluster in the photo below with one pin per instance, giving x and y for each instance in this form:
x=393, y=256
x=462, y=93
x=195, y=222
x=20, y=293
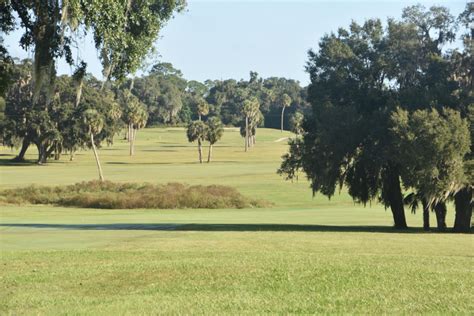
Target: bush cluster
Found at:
x=110, y=195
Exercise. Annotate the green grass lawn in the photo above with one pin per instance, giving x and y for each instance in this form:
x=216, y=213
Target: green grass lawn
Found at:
x=303, y=255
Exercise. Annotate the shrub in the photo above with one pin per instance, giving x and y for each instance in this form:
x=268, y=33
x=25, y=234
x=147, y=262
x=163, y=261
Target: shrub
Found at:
x=110, y=195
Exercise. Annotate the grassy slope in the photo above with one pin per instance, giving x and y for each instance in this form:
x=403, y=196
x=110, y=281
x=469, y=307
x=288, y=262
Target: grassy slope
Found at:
x=303, y=255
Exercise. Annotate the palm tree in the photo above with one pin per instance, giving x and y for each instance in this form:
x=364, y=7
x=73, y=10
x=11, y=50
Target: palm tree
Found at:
x=197, y=130
x=250, y=110
x=285, y=102
x=215, y=130
x=138, y=118
x=202, y=107
x=94, y=123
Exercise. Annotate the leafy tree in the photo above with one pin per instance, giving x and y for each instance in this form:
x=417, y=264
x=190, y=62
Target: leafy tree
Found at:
x=358, y=78
x=463, y=65
x=124, y=32
x=170, y=102
x=285, y=102
x=197, y=130
x=214, y=132
x=430, y=148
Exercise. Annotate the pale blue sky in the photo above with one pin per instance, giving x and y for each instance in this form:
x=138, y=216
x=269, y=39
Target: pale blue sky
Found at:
x=226, y=39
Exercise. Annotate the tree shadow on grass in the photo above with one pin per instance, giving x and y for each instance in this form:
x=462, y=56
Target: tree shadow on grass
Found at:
x=138, y=163
x=220, y=227
x=12, y=163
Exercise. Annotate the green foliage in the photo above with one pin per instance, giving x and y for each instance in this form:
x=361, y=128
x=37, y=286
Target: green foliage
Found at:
x=59, y=124
x=214, y=130
x=109, y=195
x=292, y=160
x=296, y=123
x=359, y=77
x=197, y=130
x=430, y=148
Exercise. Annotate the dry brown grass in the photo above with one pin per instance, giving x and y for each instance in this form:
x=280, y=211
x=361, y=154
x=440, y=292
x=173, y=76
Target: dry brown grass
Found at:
x=110, y=195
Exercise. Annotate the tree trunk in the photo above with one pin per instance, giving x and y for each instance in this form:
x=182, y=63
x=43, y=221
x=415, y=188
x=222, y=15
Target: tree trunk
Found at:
x=463, y=205
x=199, y=116
x=73, y=153
x=426, y=215
x=132, y=141
x=394, y=196
x=49, y=152
x=441, y=210
x=246, y=133
x=42, y=153
x=282, y=116
x=24, y=148
x=254, y=139
x=96, y=155
x=209, y=155
x=200, y=150
x=57, y=151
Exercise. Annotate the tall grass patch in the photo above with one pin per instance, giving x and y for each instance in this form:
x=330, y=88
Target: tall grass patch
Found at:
x=110, y=195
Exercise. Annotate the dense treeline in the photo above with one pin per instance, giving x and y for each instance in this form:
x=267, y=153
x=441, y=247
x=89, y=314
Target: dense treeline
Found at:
x=392, y=112
x=171, y=99
x=161, y=97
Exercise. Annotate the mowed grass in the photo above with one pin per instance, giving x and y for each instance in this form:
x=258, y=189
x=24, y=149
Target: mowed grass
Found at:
x=302, y=255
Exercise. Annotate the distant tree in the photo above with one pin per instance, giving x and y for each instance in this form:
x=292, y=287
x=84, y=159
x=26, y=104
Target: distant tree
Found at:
x=285, y=102
x=170, y=102
x=196, y=88
x=296, y=123
x=250, y=111
x=94, y=123
x=215, y=130
x=202, y=107
x=135, y=116
x=197, y=131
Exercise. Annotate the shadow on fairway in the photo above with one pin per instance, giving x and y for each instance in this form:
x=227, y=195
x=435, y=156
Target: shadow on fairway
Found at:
x=12, y=163
x=220, y=227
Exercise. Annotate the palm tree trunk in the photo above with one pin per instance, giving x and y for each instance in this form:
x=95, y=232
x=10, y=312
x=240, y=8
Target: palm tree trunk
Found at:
x=96, y=155
x=131, y=139
x=209, y=155
x=282, y=116
x=246, y=133
x=200, y=150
